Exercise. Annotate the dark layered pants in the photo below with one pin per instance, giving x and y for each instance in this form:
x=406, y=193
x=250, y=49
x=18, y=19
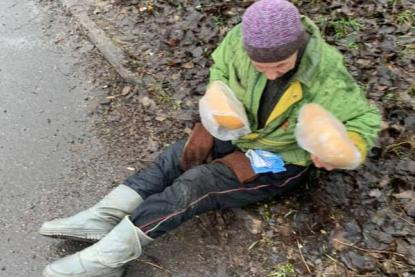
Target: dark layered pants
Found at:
x=172, y=196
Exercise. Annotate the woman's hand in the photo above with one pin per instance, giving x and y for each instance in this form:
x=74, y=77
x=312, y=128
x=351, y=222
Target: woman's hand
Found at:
x=321, y=164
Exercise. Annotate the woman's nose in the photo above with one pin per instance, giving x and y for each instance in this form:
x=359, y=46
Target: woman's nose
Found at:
x=271, y=75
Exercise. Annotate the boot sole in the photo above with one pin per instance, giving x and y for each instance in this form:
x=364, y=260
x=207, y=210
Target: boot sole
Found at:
x=85, y=237
x=114, y=274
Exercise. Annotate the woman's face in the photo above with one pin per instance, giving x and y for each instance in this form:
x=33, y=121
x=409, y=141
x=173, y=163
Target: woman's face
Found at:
x=275, y=70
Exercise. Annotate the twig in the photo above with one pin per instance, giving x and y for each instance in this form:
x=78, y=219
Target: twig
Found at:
x=154, y=265
x=337, y=262
x=333, y=259
x=345, y=268
x=398, y=263
x=309, y=228
x=392, y=147
x=290, y=212
x=302, y=258
x=369, y=250
x=253, y=245
x=410, y=223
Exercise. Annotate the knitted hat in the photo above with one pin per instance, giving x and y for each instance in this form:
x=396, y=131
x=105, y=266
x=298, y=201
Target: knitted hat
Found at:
x=272, y=30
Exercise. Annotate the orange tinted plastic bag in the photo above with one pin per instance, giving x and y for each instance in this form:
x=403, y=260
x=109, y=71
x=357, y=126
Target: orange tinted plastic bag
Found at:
x=222, y=114
x=323, y=135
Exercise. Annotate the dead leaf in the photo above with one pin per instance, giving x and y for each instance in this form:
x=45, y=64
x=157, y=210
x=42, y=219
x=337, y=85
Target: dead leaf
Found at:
x=126, y=90
x=188, y=130
x=161, y=118
x=408, y=194
x=188, y=65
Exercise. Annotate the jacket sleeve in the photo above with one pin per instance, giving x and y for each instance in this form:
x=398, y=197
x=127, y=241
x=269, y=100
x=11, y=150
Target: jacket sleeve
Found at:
x=363, y=129
x=348, y=101
x=219, y=69
x=222, y=58
x=364, y=124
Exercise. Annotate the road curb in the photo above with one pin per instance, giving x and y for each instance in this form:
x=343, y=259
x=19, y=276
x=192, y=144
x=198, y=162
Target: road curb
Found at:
x=114, y=55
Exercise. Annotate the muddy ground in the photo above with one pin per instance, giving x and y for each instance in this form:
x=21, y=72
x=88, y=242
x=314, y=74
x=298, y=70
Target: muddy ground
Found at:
x=346, y=223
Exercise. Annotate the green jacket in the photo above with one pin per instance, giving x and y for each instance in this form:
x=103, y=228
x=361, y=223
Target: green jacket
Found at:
x=321, y=78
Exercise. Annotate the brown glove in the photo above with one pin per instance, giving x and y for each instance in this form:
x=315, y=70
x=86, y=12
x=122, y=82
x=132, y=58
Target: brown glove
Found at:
x=240, y=166
x=197, y=149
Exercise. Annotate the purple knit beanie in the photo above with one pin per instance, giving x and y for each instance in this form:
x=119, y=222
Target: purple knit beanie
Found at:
x=272, y=30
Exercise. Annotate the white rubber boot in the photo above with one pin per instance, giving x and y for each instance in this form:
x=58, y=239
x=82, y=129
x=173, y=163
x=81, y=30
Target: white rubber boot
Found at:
x=106, y=257
x=94, y=223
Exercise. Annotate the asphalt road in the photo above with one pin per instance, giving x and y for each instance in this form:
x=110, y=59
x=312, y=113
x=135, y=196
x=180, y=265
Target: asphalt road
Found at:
x=50, y=163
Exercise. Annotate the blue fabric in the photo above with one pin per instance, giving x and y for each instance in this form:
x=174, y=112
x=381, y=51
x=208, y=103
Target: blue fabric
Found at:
x=264, y=161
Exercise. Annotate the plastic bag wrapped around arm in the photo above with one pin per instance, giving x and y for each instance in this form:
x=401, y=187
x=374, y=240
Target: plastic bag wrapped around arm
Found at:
x=222, y=114
x=323, y=135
